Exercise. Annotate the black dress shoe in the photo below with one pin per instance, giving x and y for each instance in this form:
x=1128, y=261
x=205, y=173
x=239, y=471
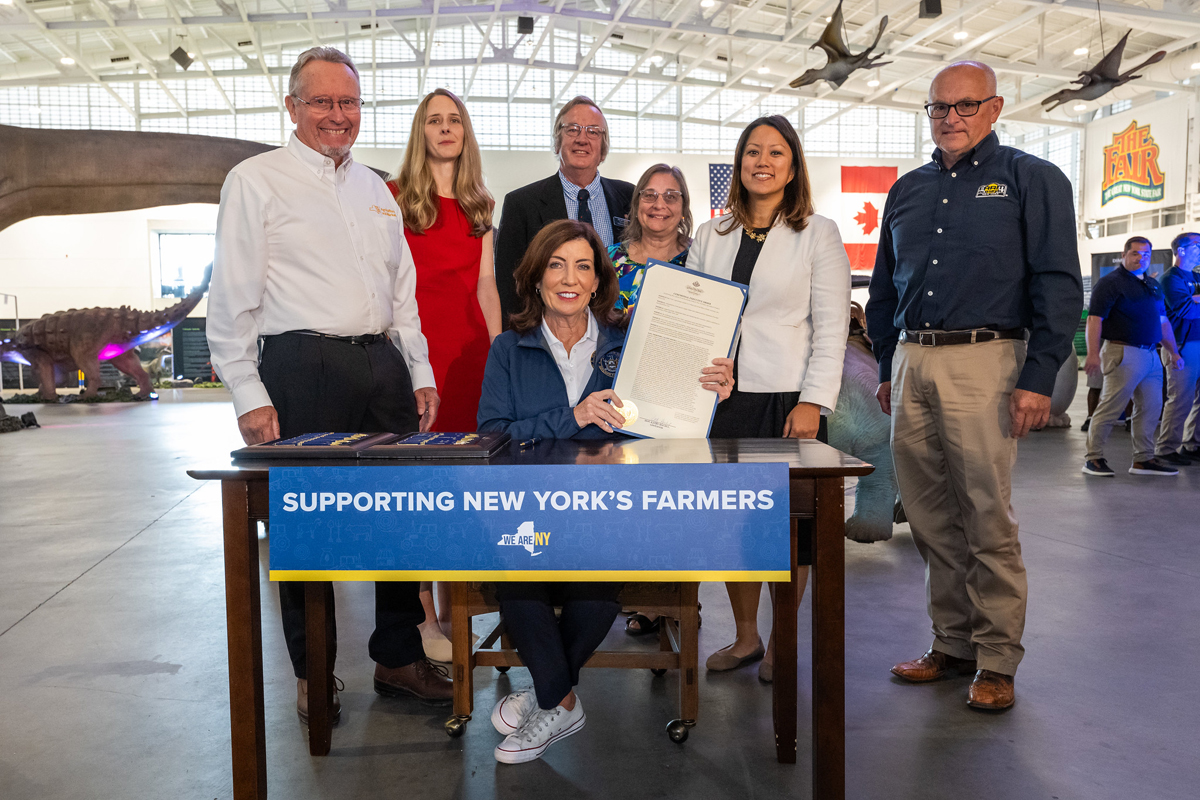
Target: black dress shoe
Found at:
x=1175, y=460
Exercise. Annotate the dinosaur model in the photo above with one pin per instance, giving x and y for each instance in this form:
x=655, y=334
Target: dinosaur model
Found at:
x=1102, y=78
x=82, y=338
x=841, y=61
x=47, y=172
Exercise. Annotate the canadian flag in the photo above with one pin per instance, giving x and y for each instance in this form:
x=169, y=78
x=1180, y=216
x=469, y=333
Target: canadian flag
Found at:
x=864, y=190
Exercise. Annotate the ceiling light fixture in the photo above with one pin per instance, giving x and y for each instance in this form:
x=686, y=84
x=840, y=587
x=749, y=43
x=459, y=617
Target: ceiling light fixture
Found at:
x=1081, y=51
x=1079, y=107
x=960, y=35
x=873, y=82
x=66, y=61
x=1196, y=65
x=707, y=3
x=657, y=58
x=764, y=70
x=6, y=2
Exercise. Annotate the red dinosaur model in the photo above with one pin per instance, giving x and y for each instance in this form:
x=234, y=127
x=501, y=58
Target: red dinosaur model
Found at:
x=83, y=337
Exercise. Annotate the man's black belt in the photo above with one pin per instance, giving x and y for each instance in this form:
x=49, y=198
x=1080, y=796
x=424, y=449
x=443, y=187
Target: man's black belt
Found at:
x=364, y=339
x=940, y=338
x=1138, y=346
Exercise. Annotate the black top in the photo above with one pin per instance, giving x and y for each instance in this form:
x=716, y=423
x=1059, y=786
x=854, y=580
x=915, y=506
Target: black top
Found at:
x=1178, y=286
x=987, y=243
x=529, y=209
x=1130, y=307
x=747, y=255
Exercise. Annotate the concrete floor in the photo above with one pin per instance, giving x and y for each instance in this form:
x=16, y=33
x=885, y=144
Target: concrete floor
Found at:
x=112, y=650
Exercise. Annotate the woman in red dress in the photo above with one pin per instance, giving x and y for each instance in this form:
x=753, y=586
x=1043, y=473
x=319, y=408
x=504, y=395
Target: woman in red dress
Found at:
x=447, y=213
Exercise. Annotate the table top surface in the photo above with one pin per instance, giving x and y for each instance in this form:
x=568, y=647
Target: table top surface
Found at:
x=806, y=458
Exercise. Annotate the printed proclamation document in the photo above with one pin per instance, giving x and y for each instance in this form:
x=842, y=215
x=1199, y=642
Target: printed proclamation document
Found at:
x=682, y=321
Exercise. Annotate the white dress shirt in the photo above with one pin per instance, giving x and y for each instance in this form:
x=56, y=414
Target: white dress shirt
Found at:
x=304, y=246
x=793, y=330
x=576, y=368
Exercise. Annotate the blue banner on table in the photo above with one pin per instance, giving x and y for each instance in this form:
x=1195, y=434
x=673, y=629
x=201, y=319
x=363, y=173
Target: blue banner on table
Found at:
x=694, y=522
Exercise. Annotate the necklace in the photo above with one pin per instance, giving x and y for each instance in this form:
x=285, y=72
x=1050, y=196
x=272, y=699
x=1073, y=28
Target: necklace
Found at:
x=758, y=237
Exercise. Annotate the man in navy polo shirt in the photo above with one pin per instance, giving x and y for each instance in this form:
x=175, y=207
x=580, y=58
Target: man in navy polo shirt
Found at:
x=1127, y=312
x=1177, y=442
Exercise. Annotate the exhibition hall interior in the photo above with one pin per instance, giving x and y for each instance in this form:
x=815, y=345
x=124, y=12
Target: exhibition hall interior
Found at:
x=198, y=210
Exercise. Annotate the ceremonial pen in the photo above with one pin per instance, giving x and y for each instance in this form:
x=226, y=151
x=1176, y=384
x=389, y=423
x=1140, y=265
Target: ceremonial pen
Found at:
x=529, y=442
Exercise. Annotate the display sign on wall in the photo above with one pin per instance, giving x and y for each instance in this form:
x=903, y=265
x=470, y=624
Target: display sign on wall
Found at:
x=1136, y=160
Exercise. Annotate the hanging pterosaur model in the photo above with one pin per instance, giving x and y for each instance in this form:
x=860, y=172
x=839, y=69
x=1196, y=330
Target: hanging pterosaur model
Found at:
x=841, y=61
x=1102, y=78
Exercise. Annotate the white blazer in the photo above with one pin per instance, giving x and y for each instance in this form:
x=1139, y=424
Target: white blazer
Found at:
x=794, y=328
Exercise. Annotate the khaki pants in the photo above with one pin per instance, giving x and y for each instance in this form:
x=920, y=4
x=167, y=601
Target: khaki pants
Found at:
x=1181, y=398
x=1129, y=372
x=954, y=460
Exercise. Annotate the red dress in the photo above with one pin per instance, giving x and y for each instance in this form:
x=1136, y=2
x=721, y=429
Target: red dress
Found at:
x=447, y=259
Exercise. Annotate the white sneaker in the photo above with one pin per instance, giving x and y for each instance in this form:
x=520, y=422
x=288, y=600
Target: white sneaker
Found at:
x=542, y=729
x=511, y=712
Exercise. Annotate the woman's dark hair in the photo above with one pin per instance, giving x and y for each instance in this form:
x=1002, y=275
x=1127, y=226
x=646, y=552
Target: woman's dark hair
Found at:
x=797, y=204
x=537, y=259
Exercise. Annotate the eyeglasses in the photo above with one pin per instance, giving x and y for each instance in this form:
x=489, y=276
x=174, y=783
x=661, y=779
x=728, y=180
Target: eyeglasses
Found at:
x=349, y=105
x=964, y=108
x=670, y=196
x=593, y=131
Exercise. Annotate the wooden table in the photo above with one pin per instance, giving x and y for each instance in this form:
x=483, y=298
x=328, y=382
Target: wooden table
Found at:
x=816, y=482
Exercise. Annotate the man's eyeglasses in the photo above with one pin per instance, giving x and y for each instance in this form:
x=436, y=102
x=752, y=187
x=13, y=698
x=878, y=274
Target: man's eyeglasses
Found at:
x=964, y=108
x=573, y=130
x=349, y=105
x=671, y=197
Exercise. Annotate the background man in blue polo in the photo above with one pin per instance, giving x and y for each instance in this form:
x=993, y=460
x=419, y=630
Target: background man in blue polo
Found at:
x=1128, y=314
x=976, y=249
x=1177, y=442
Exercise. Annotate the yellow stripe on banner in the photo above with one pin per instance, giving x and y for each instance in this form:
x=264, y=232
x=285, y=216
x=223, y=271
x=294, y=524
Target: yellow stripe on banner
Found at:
x=646, y=576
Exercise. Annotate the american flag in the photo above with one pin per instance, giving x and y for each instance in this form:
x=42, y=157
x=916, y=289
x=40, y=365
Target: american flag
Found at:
x=719, y=176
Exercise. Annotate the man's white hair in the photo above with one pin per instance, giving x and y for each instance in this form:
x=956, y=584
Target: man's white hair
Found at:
x=329, y=54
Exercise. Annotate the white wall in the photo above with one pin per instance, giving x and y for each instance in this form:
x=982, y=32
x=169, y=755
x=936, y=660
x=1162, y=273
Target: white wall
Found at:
x=55, y=263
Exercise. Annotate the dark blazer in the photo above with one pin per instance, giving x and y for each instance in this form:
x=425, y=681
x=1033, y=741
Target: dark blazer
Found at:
x=526, y=211
x=524, y=393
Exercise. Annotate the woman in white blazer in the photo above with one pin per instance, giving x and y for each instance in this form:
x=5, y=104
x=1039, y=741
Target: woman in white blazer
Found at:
x=788, y=363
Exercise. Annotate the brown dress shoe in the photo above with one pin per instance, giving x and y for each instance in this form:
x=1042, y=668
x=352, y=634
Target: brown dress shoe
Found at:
x=931, y=666
x=991, y=691
x=421, y=679
x=302, y=700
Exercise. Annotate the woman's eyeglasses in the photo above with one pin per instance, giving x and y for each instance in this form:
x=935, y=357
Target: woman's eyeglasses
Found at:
x=671, y=197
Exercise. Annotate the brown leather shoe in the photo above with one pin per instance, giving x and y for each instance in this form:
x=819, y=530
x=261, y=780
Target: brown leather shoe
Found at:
x=302, y=700
x=991, y=691
x=421, y=679
x=932, y=666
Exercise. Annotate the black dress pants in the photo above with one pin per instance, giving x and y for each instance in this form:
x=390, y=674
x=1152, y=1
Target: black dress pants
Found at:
x=555, y=649
x=320, y=385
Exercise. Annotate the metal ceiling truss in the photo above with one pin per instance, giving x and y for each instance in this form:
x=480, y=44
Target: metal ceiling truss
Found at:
x=775, y=34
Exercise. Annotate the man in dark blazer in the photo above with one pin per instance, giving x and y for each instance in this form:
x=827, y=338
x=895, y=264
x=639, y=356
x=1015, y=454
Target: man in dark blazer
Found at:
x=576, y=191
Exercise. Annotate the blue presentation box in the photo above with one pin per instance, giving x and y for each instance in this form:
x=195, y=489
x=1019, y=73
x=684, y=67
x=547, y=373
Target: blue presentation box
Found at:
x=664, y=522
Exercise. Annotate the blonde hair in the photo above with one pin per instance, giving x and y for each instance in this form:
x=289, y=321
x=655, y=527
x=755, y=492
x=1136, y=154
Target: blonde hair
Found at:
x=633, y=228
x=417, y=195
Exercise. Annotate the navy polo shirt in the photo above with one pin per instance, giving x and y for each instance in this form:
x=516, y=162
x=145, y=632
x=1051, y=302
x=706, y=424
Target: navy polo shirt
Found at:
x=987, y=243
x=1178, y=286
x=1130, y=307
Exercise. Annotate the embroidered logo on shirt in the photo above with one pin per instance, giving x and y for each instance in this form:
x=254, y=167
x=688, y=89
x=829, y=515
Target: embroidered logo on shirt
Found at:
x=993, y=190
x=385, y=212
x=608, y=364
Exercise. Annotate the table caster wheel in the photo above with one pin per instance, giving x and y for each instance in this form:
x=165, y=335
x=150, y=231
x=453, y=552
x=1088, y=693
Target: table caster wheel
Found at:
x=502, y=670
x=456, y=726
x=677, y=730
x=658, y=673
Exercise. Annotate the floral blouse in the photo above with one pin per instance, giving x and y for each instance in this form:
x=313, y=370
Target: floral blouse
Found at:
x=630, y=272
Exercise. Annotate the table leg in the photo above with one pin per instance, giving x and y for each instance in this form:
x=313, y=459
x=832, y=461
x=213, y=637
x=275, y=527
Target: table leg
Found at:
x=318, y=620
x=243, y=622
x=783, y=689
x=460, y=643
x=829, y=641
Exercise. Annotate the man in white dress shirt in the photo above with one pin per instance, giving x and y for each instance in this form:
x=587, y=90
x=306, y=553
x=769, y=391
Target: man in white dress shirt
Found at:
x=312, y=271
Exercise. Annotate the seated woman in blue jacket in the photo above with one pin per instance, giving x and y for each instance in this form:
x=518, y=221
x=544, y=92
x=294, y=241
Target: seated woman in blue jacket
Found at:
x=550, y=377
